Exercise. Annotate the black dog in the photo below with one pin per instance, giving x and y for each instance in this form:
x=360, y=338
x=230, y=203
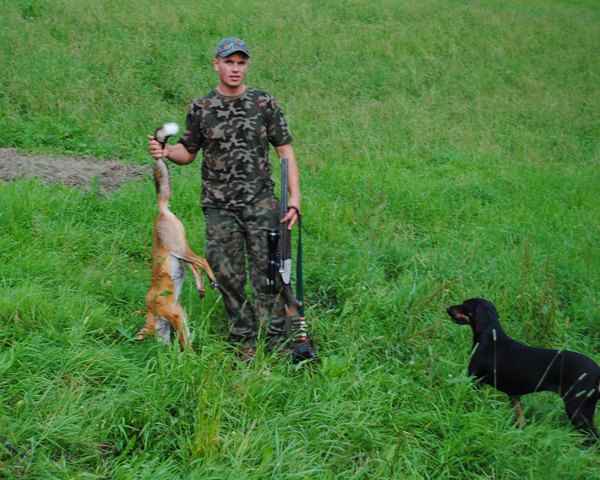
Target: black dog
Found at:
x=516, y=369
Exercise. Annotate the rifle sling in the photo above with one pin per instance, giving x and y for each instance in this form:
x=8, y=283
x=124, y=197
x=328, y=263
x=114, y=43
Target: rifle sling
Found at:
x=299, y=273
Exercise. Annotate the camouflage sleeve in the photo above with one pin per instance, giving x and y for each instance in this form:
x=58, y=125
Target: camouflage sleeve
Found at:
x=192, y=139
x=278, y=131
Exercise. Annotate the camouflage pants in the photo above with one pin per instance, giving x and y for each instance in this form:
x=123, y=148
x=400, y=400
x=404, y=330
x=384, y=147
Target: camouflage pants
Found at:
x=237, y=244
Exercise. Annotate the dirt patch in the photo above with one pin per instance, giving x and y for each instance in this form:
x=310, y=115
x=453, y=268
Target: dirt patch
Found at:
x=77, y=172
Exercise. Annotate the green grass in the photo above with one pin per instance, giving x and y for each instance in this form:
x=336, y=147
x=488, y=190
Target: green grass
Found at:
x=447, y=149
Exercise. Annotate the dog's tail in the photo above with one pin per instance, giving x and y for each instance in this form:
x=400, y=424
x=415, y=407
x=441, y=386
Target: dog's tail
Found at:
x=162, y=184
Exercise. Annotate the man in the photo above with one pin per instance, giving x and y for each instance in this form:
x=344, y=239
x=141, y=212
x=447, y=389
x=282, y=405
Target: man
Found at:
x=233, y=125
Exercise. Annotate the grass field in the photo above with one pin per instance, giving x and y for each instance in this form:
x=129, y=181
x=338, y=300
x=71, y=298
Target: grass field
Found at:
x=447, y=149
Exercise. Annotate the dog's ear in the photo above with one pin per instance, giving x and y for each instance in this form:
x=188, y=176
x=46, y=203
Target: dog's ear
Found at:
x=459, y=314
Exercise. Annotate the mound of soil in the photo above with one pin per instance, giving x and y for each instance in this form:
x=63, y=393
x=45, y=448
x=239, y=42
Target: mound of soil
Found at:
x=77, y=172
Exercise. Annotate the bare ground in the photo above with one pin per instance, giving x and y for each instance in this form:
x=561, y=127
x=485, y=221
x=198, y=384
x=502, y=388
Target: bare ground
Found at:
x=77, y=172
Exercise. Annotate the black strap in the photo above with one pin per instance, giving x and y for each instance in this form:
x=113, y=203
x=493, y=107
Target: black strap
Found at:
x=299, y=273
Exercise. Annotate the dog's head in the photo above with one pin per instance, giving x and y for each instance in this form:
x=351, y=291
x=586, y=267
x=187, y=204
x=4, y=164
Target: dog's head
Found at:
x=477, y=312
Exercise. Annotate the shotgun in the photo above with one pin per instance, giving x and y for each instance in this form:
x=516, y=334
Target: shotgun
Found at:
x=280, y=250
x=285, y=237
x=302, y=348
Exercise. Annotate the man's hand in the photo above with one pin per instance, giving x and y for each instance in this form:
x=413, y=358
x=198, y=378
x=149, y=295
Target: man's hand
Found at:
x=291, y=217
x=155, y=149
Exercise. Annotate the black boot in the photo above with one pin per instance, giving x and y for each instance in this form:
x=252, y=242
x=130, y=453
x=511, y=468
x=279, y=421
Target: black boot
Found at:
x=302, y=350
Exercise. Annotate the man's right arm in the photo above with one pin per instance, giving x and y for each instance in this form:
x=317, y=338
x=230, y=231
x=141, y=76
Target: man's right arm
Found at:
x=176, y=153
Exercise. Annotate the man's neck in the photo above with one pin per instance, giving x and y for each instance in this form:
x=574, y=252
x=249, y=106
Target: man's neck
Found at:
x=231, y=92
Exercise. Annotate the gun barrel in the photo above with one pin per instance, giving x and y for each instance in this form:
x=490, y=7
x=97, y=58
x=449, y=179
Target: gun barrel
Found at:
x=283, y=199
x=285, y=244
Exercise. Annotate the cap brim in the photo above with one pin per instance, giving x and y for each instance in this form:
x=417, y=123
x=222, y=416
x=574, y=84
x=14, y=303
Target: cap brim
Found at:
x=228, y=53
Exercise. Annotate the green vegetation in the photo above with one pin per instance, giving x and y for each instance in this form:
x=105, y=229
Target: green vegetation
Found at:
x=448, y=150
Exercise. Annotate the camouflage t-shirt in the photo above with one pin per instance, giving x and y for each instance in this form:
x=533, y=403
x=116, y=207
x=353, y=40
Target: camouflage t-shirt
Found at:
x=234, y=134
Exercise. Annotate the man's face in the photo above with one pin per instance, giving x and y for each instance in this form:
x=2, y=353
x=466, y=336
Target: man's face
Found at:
x=232, y=69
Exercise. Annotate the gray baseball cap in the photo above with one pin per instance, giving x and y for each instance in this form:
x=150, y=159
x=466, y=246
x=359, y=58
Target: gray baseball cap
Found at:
x=229, y=46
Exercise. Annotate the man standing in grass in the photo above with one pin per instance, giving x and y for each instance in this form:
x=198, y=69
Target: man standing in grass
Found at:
x=233, y=125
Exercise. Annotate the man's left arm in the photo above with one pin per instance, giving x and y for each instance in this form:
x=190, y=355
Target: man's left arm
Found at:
x=291, y=217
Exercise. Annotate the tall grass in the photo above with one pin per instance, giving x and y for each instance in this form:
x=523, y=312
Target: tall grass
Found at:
x=448, y=150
